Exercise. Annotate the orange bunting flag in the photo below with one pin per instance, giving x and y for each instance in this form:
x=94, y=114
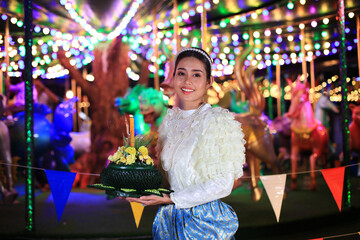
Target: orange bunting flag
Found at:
x=275, y=187
x=137, y=209
x=317, y=239
x=334, y=178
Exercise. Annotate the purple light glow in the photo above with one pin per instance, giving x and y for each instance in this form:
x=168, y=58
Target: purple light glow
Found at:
x=312, y=10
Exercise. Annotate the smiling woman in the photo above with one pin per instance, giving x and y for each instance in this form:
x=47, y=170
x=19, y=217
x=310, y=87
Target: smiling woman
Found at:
x=202, y=151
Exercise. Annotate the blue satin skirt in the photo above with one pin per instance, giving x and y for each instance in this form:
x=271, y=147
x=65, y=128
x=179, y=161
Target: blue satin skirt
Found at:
x=214, y=220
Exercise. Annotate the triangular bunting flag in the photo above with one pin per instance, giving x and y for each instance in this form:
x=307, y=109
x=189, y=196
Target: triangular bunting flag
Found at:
x=334, y=178
x=60, y=185
x=275, y=187
x=137, y=210
x=317, y=239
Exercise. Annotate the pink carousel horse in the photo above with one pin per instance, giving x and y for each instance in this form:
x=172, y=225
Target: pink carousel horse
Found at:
x=354, y=128
x=308, y=134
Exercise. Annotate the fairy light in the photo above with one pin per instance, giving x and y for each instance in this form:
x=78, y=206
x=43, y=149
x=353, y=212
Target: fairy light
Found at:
x=267, y=33
x=314, y=24
x=75, y=16
x=290, y=5
x=125, y=21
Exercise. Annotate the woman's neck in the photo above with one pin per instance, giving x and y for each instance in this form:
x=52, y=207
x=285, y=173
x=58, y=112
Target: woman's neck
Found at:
x=185, y=106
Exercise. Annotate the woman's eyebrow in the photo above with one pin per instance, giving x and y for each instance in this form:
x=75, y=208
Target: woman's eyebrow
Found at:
x=193, y=70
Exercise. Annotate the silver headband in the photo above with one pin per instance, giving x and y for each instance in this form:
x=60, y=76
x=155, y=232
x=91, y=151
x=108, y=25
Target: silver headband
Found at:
x=194, y=50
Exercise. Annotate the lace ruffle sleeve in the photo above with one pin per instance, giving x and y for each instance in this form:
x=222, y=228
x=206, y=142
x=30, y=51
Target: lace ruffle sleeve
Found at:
x=221, y=147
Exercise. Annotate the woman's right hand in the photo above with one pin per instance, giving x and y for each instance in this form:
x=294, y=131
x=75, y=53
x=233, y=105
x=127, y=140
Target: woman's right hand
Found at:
x=151, y=200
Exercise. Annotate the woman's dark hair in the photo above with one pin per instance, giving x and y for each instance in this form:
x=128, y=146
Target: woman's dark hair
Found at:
x=196, y=53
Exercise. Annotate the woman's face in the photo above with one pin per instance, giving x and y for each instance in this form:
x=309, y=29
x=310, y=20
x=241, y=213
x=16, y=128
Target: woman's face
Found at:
x=190, y=82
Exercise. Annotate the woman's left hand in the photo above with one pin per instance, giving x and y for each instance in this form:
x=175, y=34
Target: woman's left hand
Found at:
x=151, y=200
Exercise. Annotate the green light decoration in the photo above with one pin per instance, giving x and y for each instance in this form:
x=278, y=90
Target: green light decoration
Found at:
x=163, y=58
x=270, y=99
x=29, y=120
x=290, y=5
x=245, y=36
x=168, y=34
x=344, y=103
x=20, y=24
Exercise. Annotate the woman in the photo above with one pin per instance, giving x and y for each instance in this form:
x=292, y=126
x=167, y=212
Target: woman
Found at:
x=202, y=152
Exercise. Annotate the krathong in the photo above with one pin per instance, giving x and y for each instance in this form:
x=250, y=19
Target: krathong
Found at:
x=131, y=171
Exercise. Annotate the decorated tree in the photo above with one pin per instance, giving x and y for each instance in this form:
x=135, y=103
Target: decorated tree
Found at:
x=108, y=126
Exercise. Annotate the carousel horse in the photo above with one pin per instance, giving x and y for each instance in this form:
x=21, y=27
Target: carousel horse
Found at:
x=236, y=105
x=52, y=149
x=259, y=142
x=153, y=107
x=7, y=190
x=323, y=106
x=354, y=128
x=130, y=104
x=308, y=134
x=280, y=127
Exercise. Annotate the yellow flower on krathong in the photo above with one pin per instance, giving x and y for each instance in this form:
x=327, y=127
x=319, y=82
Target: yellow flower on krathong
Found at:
x=131, y=150
x=130, y=159
x=123, y=160
x=143, y=150
x=115, y=156
x=121, y=149
x=149, y=161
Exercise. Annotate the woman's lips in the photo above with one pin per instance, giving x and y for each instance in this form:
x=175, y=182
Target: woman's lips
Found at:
x=187, y=90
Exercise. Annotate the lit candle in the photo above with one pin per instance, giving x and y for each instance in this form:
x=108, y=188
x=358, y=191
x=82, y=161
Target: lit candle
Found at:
x=132, y=132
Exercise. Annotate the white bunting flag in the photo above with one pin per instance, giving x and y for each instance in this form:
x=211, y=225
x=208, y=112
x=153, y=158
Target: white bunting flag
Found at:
x=275, y=186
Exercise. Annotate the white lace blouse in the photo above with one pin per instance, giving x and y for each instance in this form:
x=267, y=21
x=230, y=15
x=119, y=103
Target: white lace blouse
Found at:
x=203, y=152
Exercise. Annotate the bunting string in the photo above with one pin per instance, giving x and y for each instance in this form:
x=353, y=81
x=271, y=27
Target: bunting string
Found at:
x=342, y=235
x=43, y=169
x=96, y=174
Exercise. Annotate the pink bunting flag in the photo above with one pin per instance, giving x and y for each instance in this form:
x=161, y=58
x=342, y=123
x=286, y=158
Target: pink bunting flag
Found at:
x=60, y=185
x=275, y=187
x=334, y=178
